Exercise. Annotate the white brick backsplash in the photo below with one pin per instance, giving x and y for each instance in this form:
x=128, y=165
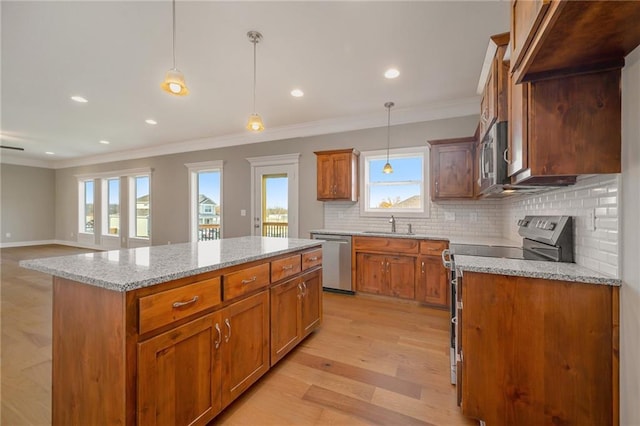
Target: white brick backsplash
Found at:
x=597, y=250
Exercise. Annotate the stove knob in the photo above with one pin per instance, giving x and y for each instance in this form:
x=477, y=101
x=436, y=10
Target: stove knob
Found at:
x=552, y=226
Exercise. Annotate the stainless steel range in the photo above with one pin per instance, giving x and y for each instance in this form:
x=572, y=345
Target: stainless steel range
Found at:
x=545, y=238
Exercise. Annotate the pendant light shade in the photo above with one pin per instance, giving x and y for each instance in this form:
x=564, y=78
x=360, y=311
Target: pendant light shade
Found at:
x=387, y=169
x=254, y=124
x=174, y=83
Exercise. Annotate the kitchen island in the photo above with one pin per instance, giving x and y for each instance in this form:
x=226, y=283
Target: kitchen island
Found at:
x=173, y=334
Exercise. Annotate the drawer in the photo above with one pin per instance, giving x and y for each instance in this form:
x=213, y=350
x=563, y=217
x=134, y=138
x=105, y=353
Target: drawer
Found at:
x=311, y=258
x=283, y=268
x=168, y=306
x=245, y=281
x=395, y=245
x=433, y=248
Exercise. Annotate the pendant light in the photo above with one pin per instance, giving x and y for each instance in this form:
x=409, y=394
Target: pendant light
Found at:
x=387, y=169
x=255, y=123
x=174, y=81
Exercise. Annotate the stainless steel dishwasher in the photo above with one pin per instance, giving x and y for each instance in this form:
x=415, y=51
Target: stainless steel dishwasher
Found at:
x=336, y=262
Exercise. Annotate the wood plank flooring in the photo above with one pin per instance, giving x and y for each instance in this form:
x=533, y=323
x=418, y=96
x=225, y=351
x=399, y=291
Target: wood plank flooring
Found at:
x=373, y=362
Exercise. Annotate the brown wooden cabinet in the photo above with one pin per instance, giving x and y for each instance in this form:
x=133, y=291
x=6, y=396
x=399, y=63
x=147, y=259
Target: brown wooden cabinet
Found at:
x=564, y=127
x=432, y=284
x=337, y=172
x=179, y=374
x=386, y=275
x=537, y=351
x=494, y=104
x=296, y=310
x=552, y=38
x=452, y=168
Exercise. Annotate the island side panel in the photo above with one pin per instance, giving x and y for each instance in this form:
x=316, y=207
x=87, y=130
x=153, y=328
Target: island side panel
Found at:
x=88, y=354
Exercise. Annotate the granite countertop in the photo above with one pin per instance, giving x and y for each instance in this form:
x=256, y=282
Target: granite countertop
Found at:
x=130, y=269
x=533, y=269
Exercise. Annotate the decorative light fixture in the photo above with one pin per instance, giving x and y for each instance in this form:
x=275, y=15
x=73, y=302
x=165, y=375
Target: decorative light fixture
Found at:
x=255, y=123
x=174, y=81
x=387, y=167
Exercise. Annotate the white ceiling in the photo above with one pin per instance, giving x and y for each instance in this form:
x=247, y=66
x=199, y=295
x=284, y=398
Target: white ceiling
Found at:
x=115, y=53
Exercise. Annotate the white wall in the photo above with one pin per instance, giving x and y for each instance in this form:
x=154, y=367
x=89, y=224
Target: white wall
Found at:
x=630, y=244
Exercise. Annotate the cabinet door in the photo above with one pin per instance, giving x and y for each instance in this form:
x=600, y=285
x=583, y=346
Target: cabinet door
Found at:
x=325, y=177
x=245, y=347
x=311, y=302
x=370, y=273
x=526, y=16
x=400, y=276
x=452, y=171
x=342, y=176
x=432, y=285
x=179, y=374
x=518, y=128
x=285, y=318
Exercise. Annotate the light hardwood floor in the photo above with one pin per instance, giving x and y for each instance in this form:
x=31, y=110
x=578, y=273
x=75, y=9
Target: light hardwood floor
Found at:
x=374, y=361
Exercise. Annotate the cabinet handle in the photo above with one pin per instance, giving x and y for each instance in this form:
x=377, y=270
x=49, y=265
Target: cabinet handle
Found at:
x=188, y=302
x=299, y=291
x=422, y=267
x=387, y=266
x=437, y=187
x=219, y=340
x=250, y=280
x=313, y=259
x=287, y=267
x=228, y=324
x=304, y=286
x=504, y=155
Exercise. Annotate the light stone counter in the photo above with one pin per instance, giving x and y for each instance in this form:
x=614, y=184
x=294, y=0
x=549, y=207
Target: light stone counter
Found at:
x=379, y=234
x=130, y=269
x=533, y=269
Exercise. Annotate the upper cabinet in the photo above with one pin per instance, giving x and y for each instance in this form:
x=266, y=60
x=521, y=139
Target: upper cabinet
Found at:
x=452, y=168
x=338, y=175
x=563, y=37
x=494, y=103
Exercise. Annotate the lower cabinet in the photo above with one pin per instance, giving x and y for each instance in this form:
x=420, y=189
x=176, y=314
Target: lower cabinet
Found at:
x=296, y=310
x=179, y=374
x=386, y=275
x=432, y=283
x=187, y=374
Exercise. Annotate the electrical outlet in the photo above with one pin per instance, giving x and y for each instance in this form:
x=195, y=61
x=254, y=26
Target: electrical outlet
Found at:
x=168, y=242
x=449, y=216
x=591, y=220
x=243, y=212
x=473, y=217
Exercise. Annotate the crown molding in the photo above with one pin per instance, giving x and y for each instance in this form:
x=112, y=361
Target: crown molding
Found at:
x=31, y=162
x=435, y=111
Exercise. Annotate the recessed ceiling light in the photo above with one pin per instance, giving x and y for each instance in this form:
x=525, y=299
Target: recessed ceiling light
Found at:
x=49, y=153
x=79, y=99
x=297, y=93
x=391, y=73
x=103, y=142
x=151, y=121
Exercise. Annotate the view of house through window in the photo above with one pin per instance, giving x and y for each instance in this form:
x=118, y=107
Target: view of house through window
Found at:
x=402, y=191
x=209, y=205
x=113, y=212
x=87, y=214
x=141, y=196
x=275, y=205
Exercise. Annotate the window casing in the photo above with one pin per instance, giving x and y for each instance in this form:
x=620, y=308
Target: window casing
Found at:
x=403, y=192
x=205, y=188
x=140, y=206
x=111, y=206
x=86, y=212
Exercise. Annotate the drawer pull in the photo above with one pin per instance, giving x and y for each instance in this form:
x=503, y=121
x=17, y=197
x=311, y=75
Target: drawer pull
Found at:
x=287, y=267
x=228, y=324
x=313, y=259
x=250, y=280
x=188, y=302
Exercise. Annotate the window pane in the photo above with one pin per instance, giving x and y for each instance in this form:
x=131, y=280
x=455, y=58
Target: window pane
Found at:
x=113, y=194
x=275, y=206
x=398, y=191
x=88, y=207
x=142, y=207
x=209, y=205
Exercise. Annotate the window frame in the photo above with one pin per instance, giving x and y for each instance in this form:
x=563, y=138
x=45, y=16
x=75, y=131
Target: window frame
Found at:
x=133, y=219
x=194, y=210
x=367, y=156
x=105, y=206
x=82, y=196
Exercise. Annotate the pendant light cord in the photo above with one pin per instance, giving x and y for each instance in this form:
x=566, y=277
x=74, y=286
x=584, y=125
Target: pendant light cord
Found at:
x=254, y=76
x=174, y=34
x=388, y=130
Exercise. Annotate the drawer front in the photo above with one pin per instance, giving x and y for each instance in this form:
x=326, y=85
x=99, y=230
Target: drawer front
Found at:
x=433, y=248
x=245, y=281
x=311, y=258
x=168, y=306
x=399, y=245
x=286, y=267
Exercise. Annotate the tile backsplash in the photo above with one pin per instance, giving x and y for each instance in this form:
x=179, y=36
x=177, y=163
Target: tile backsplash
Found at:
x=595, y=247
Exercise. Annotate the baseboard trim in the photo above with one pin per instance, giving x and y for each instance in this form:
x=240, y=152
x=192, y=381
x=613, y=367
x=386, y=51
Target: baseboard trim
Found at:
x=48, y=242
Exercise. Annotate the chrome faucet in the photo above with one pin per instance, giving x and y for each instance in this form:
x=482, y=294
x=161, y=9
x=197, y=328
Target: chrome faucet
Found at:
x=392, y=221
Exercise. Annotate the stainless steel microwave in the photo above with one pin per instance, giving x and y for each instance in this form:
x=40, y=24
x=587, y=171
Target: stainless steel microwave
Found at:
x=492, y=162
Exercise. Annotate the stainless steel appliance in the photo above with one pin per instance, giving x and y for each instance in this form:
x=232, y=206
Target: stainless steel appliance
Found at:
x=493, y=178
x=545, y=238
x=336, y=262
